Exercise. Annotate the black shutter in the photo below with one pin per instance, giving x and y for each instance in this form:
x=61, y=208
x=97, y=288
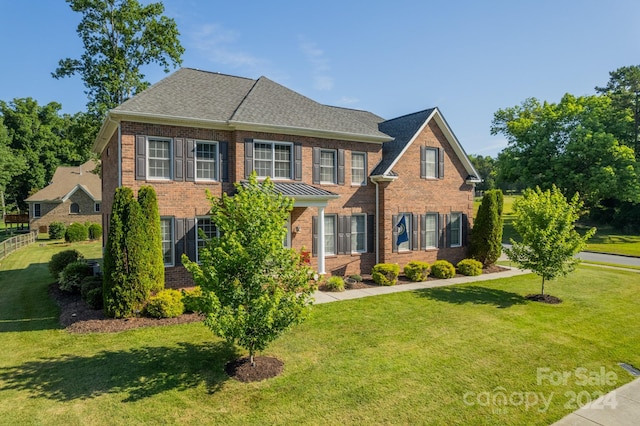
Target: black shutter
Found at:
x=297, y=164
x=442, y=226
x=394, y=234
x=223, y=152
x=316, y=165
x=178, y=159
x=179, y=236
x=344, y=234
x=423, y=232
x=190, y=161
x=448, y=222
x=341, y=167
x=414, y=232
x=371, y=233
x=423, y=162
x=314, y=232
x=465, y=230
x=190, y=231
x=248, y=157
x=441, y=163
x=141, y=157
x=340, y=237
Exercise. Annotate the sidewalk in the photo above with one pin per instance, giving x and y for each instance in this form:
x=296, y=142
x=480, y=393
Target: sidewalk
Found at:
x=625, y=411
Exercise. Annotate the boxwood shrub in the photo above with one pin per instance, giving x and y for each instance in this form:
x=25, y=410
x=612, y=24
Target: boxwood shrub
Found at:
x=470, y=267
x=72, y=275
x=385, y=273
x=91, y=291
x=165, y=304
x=192, y=300
x=60, y=260
x=76, y=232
x=417, y=270
x=95, y=231
x=443, y=269
x=57, y=230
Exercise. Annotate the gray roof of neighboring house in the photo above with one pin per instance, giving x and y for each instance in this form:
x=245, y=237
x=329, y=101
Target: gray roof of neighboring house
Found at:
x=208, y=96
x=66, y=180
x=402, y=129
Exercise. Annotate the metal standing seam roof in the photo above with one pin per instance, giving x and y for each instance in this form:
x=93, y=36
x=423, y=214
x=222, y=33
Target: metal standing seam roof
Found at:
x=300, y=190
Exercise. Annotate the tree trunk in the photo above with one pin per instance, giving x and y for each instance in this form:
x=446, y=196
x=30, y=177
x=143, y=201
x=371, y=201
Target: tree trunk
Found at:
x=542, y=293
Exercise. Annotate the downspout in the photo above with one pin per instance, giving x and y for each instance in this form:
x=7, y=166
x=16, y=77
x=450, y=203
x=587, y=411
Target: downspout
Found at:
x=377, y=219
x=119, y=155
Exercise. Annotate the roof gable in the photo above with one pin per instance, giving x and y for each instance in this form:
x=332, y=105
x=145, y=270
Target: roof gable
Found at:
x=67, y=180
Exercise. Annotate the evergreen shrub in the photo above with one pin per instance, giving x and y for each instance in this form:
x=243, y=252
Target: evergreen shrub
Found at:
x=385, y=273
x=76, y=232
x=443, y=269
x=470, y=267
x=417, y=270
x=60, y=260
x=165, y=304
x=57, y=230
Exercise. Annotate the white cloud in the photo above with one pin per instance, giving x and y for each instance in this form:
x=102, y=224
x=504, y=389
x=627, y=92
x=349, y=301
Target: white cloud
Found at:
x=215, y=43
x=320, y=66
x=346, y=100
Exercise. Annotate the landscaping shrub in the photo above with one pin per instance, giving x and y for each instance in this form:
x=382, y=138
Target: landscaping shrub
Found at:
x=356, y=277
x=57, y=230
x=165, y=304
x=385, y=273
x=60, y=260
x=94, y=298
x=192, y=300
x=417, y=270
x=486, y=237
x=470, y=267
x=91, y=291
x=334, y=284
x=152, y=242
x=76, y=232
x=443, y=269
x=72, y=275
x=95, y=231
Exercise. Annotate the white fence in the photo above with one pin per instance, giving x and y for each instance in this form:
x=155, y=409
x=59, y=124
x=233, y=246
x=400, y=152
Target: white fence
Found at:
x=14, y=243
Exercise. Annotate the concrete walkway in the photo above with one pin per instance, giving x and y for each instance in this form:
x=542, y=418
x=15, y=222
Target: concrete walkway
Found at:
x=619, y=407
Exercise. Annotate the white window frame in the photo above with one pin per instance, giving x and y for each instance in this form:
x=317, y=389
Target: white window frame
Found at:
x=459, y=233
x=38, y=212
x=273, y=144
x=169, y=159
x=364, y=168
x=434, y=231
x=171, y=241
x=200, y=240
x=330, y=231
x=431, y=166
x=405, y=246
x=334, y=167
x=354, y=234
x=215, y=161
x=97, y=207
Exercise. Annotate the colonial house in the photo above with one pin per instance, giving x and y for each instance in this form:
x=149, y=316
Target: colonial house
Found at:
x=73, y=195
x=366, y=190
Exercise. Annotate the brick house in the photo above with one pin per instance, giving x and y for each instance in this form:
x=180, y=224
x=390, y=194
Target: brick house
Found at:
x=353, y=175
x=73, y=195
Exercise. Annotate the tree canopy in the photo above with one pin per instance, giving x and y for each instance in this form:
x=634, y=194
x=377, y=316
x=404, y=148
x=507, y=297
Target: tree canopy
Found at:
x=120, y=38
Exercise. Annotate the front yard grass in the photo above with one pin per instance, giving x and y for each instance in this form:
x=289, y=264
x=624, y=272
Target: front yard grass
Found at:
x=404, y=358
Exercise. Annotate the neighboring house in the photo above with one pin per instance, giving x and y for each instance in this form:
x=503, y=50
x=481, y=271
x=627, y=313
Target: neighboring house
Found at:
x=74, y=195
x=353, y=175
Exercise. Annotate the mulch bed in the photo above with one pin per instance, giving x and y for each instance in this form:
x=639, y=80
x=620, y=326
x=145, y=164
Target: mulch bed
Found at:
x=265, y=367
x=544, y=298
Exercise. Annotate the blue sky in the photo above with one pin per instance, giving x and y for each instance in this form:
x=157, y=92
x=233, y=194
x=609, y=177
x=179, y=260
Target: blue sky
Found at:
x=469, y=58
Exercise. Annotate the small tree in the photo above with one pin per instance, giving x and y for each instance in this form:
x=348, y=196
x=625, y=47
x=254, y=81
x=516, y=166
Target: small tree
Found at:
x=149, y=205
x=254, y=288
x=126, y=267
x=486, y=237
x=546, y=223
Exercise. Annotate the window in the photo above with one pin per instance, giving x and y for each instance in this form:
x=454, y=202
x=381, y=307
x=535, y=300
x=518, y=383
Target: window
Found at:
x=96, y=207
x=455, y=230
x=431, y=230
x=359, y=233
x=36, y=210
x=159, y=158
x=358, y=168
x=327, y=166
x=431, y=157
x=272, y=159
x=74, y=208
x=330, y=234
x=206, y=160
x=403, y=226
x=166, y=232
x=210, y=231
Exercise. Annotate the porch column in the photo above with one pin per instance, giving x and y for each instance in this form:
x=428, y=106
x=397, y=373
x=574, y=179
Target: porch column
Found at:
x=321, y=240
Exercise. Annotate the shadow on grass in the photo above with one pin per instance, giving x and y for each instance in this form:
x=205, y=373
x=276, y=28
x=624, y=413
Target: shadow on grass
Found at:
x=473, y=294
x=138, y=373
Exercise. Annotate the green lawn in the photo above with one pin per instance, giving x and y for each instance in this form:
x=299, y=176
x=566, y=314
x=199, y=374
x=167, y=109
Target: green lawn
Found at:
x=425, y=357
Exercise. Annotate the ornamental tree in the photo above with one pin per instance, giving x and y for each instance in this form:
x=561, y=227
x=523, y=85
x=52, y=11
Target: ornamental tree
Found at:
x=486, y=237
x=546, y=224
x=253, y=287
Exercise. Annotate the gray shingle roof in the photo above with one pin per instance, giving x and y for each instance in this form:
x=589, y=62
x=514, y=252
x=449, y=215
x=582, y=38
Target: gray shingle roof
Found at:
x=402, y=129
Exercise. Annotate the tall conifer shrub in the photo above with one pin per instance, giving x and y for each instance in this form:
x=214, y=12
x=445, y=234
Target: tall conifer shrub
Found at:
x=486, y=237
x=149, y=205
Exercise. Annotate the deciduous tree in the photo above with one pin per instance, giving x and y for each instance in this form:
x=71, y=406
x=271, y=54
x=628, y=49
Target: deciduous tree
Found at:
x=120, y=38
x=545, y=221
x=254, y=287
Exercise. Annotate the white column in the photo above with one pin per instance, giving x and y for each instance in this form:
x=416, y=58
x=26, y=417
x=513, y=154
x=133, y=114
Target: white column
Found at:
x=320, y=240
